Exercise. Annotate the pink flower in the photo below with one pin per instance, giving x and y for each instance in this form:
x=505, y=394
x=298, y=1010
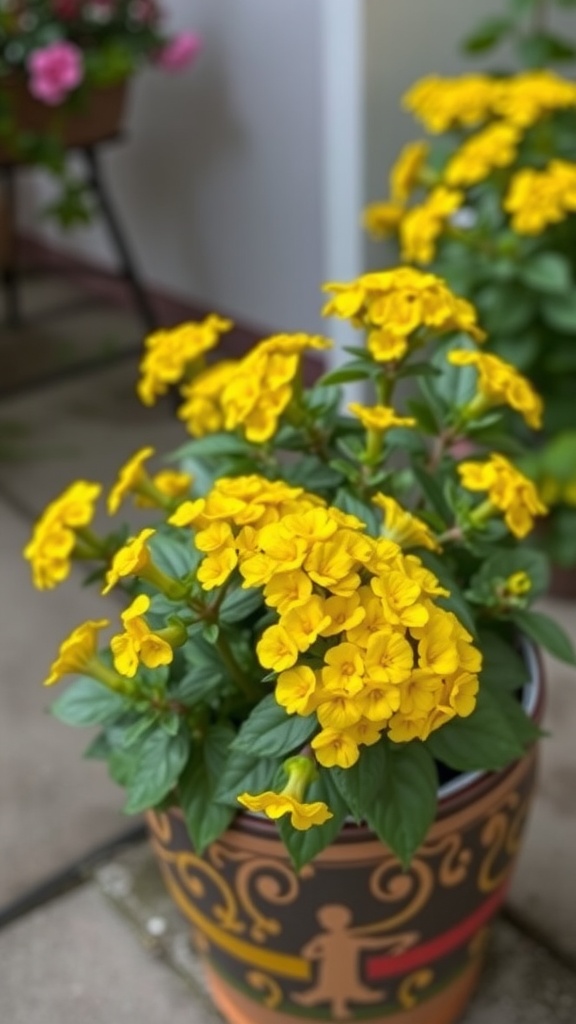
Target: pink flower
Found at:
x=178, y=53
x=54, y=72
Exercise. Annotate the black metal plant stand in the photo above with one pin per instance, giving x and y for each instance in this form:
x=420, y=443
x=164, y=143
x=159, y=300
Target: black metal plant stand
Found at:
x=128, y=271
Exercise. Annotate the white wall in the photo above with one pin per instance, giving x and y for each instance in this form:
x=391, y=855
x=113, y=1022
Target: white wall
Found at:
x=241, y=181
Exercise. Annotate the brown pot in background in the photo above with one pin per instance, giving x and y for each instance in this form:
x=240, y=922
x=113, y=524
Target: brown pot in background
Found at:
x=353, y=936
x=96, y=118
x=562, y=582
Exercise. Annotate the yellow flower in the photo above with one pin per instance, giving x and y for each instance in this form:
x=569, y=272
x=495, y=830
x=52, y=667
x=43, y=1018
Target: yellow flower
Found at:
x=343, y=669
x=386, y=347
x=401, y=599
x=171, y=353
x=287, y=590
x=277, y=649
x=539, y=198
x=402, y=527
x=523, y=99
x=202, y=410
x=380, y=417
x=374, y=620
x=462, y=693
x=328, y=564
x=216, y=536
x=378, y=701
x=494, y=147
x=436, y=648
x=53, y=540
x=345, y=613
x=419, y=694
x=389, y=658
x=508, y=489
x=500, y=383
x=170, y=483
x=364, y=732
x=215, y=569
x=445, y=103
x=138, y=643
x=424, y=224
x=130, y=477
x=295, y=690
x=188, y=513
x=337, y=710
x=77, y=651
x=382, y=219
x=305, y=622
x=405, y=173
x=129, y=560
x=274, y=805
x=335, y=748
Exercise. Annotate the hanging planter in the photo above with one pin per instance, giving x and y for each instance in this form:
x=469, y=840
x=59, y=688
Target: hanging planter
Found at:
x=353, y=936
x=94, y=117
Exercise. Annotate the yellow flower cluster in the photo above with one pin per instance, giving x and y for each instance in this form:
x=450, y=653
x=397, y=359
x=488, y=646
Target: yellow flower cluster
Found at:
x=393, y=304
x=138, y=643
x=423, y=224
x=54, y=538
x=171, y=353
x=77, y=651
x=500, y=383
x=445, y=103
x=494, y=147
x=379, y=653
x=383, y=219
x=380, y=417
x=250, y=394
x=509, y=491
x=539, y=198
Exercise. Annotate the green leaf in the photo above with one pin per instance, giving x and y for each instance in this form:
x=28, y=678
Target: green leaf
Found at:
x=205, y=819
x=536, y=51
x=211, y=446
x=349, y=503
x=560, y=313
x=425, y=416
x=545, y=632
x=87, y=702
x=313, y=473
x=122, y=765
x=347, y=374
x=503, y=667
x=270, y=732
x=394, y=789
x=547, y=272
x=492, y=737
x=244, y=772
x=304, y=846
x=434, y=493
x=239, y=604
x=501, y=566
x=99, y=749
x=487, y=35
x=160, y=760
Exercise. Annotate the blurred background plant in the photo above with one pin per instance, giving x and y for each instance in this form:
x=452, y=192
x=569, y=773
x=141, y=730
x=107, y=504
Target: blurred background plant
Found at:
x=54, y=56
x=488, y=203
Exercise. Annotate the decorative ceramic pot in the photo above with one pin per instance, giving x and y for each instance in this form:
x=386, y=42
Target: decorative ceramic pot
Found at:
x=353, y=936
x=96, y=118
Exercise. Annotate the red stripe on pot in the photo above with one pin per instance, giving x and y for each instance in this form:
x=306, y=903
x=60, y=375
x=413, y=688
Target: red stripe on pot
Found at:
x=387, y=966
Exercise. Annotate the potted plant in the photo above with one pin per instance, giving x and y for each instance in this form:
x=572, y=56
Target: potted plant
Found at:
x=486, y=202
x=64, y=68
x=324, y=689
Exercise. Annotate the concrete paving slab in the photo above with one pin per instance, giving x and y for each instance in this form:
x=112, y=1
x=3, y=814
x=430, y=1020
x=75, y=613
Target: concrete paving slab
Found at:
x=544, y=890
x=53, y=805
x=76, y=961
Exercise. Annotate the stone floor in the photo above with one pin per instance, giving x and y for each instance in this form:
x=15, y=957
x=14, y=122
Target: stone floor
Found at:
x=76, y=958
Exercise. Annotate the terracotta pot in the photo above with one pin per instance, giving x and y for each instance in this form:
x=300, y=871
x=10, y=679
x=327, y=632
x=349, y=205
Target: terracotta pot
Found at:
x=353, y=936
x=96, y=117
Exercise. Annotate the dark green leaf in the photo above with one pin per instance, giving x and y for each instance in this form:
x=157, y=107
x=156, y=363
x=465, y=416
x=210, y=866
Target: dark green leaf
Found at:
x=239, y=604
x=425, y=416
x=487, y=35
x=560, y=313
x=545, y=632
x=547, y=272
x=87, y=702
x=491, y=738
x=349, y=503
x=500, y=567
x=122, y=766
x=536, y=51
x=434, y=493
x=99, y=749
x=347, y=374
x=270, y=732
x=406, y=805
x=313, y=473
x=205, y=819
x=503, y=667
x=211, y=446
x=160, y=760
x=244, y=772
